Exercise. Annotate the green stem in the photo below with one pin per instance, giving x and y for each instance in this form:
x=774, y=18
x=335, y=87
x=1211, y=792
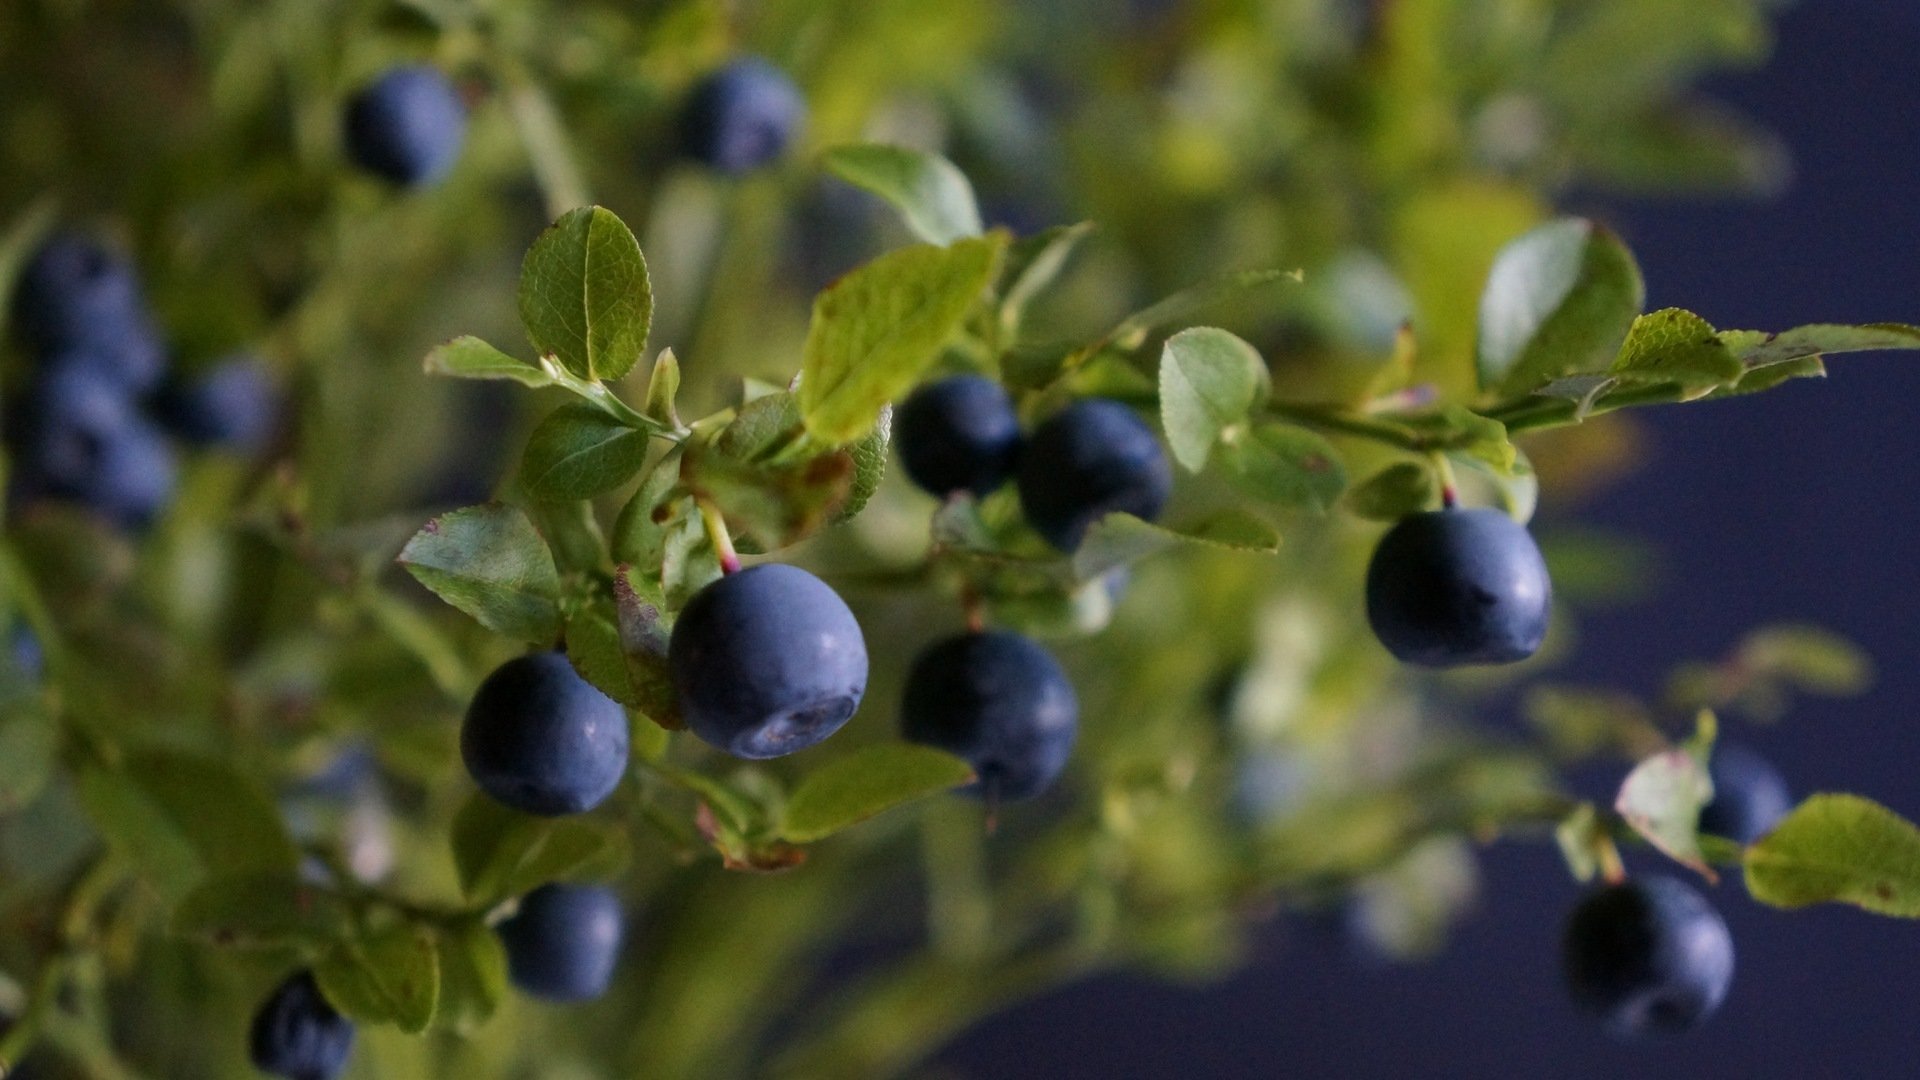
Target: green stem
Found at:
x=1322, y=418
x=717, y=532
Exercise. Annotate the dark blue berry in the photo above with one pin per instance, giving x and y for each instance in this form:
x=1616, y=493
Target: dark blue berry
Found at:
x=998, y=700
x=82, y=439
x=78, y=298
x=1451, y=587
x=1649, y=957
x=296, y=1034
x=1749, y=795
x=767, y=661
x=564, y=941
x=1091, y=459
x=543, y=740
x=958, y=434
x=742, y=116
x=235, y=404
x=407, y=126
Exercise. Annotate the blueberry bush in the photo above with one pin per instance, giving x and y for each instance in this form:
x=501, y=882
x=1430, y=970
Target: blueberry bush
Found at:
x=465, y=619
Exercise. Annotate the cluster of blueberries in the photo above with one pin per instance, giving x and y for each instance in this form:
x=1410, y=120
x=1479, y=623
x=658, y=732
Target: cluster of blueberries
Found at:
x=407, y=125
x=93, y=426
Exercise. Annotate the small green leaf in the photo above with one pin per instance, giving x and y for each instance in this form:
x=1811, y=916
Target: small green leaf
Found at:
x=663, y=387
x=390, y=976
x=1119, y=540
x=866, y=782
x=1661, y=799
x=1676, y=346
x=1820, y=339
x=931, y=194
x=1395, y=492
x=473, y=974
x=1839, y=849
x=869, y=468
x=578, y=452
x=639, y=533
x=490, y=563
x=878, y=329
x=624, y=652
x=471, y=358
x=1809, y=657
x=501, y=853
x=769, y=507
x=1558, y=301
x=688, y=562
x=1132, y=331
x=1286, y=466
x=262, y=911
x=584, y=295
x=1580, y=835
x=1033, y=263
x=1209, y=381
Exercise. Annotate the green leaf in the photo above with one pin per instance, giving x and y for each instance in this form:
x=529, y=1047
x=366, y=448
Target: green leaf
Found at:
x=769, y=507
x=866, y=782
x=1580, y=836
x=1820, y=339
x=178, y=816
x=1033, y=263
x=1559, y=301
x=1676, y=346
x=1661, y=799
x=390, y=976
x=490, y=563
x=869, y=468
x=1119, y=540
x=1839, y=849
x=639, y=533
x=624, y=652
x=263, y=911
x=1395, y=492
x=578, y=452
x=501, y=853
x=931, y=194
x=1132, y=331
x=470, y=358
x=473, y=974
x=1811, y=658
x=688, y=562
x=663, y=388
x=584, y=295
x=29, y=743
x=1209, y=381
x=878, y=329
x=1287, y=466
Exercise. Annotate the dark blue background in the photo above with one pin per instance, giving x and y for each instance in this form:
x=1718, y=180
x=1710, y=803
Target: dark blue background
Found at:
x=1795, y=505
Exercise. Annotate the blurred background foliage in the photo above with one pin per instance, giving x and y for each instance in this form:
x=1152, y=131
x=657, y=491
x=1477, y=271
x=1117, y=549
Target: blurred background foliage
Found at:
x=1247, y=747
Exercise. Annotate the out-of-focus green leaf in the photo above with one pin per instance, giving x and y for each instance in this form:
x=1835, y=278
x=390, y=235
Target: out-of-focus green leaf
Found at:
x=584, y=295
x=178, y=816
x=866, y=782
x=932, y=195
x=471, y=358
x=1032, y=264
x=262, y=911
x=1209, y=381
x=1661, y=799
x=876, y=331
x=1119, y=540
x=1286, y=466
x=1839, y=849
x=1394, y=492
x=1134, y=329
x=473, y=974
x=501, y=853
x=389, y=976
x=490, y=563
x=29, y=742
x=1559, y=301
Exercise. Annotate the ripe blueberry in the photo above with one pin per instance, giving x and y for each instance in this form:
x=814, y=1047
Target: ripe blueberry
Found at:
x=1450, y=587
x=235, y=405
x=742, y=116
x=77, y=297
x=407, y=126
x=1649, y=956
x=1093, y=458
x=767, y=661
x=1749, y=795
x=563, y=942
x=82, y=439
x=542, y=740
x=958, y=434
x=998, y=700
x=296, y=1034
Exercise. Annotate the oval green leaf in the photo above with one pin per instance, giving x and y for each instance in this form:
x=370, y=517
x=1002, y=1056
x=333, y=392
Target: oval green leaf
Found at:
x=933, y=196
x=1209, y=381
x=866, y=782
x=579, y=451
x=1839, y=849
x=1558, y=301
x=584, y=294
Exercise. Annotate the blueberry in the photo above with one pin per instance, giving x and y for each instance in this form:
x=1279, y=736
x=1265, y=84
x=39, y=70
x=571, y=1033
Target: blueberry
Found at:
x=76, y=296
x=235, y=405
x=1749, y=795
x=1093, y=458
x=1649, y=956
x=767, y=661
x=563, y=942
x=81, y=438
x=998, y=700
x=742, y=116
x=407, y=126
x=1450, y=587
x=296, y=1034
x=543, y=740
x=958, y=434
